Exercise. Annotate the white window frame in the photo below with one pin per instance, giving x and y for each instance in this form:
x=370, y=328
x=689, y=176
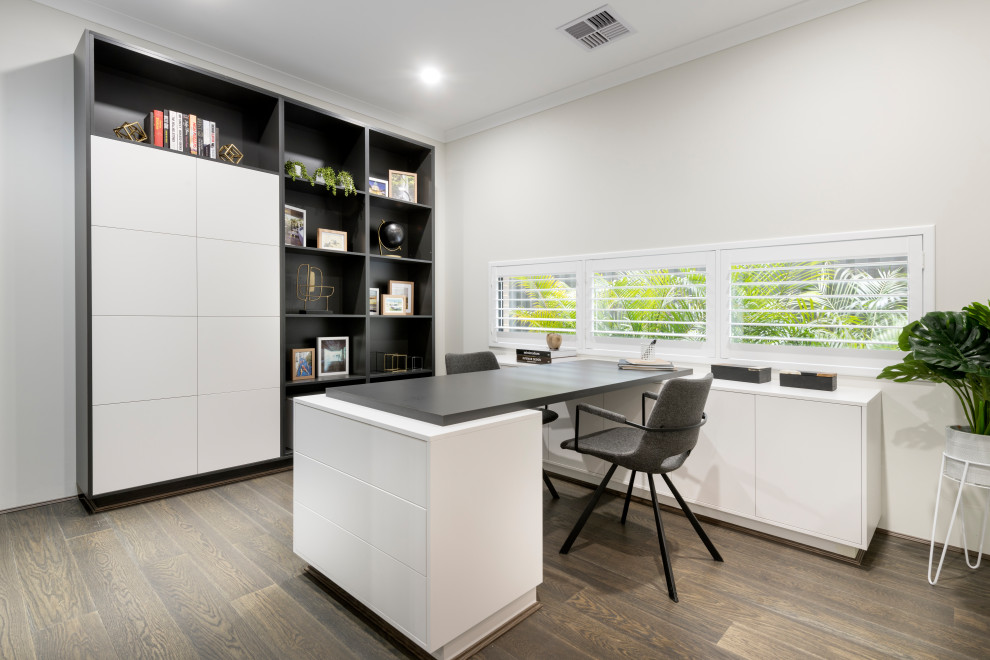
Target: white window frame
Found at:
x=920, y=248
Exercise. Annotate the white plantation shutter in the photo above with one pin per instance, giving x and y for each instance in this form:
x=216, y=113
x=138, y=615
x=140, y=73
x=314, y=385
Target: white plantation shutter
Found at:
x=531, y=302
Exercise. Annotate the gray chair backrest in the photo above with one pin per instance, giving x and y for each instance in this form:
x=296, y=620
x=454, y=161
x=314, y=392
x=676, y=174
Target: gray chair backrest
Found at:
x=680, y=402
x=462, y=363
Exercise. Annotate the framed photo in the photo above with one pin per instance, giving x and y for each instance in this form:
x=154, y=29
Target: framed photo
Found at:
x=404, y=289
x=295, y=226
x=402, y=185
x=393, y=305
x=377, y=186
x=332, y=353
x=373, y=300
x=331, y=239
x=303, y=363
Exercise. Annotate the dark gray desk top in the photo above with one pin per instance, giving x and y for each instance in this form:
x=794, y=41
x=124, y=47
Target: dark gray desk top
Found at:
x=445, y=400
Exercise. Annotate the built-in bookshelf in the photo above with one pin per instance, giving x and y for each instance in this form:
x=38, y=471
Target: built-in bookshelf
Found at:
x=211, y=264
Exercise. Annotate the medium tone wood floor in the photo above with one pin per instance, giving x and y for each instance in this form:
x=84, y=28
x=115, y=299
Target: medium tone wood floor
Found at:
x=212, y=575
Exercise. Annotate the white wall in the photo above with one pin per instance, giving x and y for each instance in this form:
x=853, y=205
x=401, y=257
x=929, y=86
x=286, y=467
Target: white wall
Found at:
x=874, y=117
x=37, y=297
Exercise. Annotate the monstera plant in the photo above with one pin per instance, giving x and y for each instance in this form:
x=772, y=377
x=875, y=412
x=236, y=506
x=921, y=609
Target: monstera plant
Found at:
x=951, y=348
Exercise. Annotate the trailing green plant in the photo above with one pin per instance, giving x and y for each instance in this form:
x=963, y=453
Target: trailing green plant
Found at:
x=951, y=348
x=290, y=169
x=329, y=178
x=346, y=181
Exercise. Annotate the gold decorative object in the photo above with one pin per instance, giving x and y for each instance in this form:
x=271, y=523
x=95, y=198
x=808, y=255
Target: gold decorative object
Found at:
x=310, y=287
x=131, y=131
x=396, y=362
x=391, y=236
x=231, y=154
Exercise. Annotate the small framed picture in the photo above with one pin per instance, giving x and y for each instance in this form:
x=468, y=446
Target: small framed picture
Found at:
x=332, y=353
x=378, y=186
x=295, y=226
x=373, y=300
x=303, y=363
x=393, y=305
x=404, y=289
x=331, y=239
x=402, y=185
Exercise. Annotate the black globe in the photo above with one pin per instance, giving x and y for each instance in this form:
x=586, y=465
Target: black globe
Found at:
x=391, y=235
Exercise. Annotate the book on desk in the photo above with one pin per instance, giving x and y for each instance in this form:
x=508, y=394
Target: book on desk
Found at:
x=537, y=356
x=652, y=364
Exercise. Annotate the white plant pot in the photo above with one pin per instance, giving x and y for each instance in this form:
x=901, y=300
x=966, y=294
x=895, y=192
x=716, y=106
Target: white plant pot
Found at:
x=961, y=445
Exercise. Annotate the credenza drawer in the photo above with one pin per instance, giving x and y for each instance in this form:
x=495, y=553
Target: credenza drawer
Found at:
x=385, y=459
x=393, y=525
x=390, y=588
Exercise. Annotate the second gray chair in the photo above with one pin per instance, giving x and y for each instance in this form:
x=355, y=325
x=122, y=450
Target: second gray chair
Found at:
x=462, y=363
x=658, y=446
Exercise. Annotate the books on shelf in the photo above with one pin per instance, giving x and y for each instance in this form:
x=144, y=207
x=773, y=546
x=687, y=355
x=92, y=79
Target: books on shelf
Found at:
x=653, y=364
x=186, y=133
x=537, y=356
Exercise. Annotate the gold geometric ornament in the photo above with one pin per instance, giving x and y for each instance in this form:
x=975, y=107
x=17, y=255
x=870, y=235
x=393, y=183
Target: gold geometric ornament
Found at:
x=231, y=154
x=131, y=131
x=310, y=287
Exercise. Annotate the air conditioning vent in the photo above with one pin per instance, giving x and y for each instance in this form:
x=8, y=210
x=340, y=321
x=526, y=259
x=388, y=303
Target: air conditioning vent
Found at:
x=596, y=28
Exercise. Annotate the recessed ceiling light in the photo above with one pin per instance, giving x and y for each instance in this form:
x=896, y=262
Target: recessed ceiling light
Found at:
x=430, y=75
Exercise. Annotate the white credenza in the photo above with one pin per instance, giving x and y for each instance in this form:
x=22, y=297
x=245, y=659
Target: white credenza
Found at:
x=184, y=316
x=799, y=464
x=436, y=529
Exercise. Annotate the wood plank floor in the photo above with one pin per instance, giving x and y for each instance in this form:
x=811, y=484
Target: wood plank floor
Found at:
x=212, y=575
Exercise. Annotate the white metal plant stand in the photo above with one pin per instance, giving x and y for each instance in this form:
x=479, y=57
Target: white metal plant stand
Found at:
x=966, y=459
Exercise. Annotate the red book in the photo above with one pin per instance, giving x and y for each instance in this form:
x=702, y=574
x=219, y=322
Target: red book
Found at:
x=154, y=129
x=193, y=145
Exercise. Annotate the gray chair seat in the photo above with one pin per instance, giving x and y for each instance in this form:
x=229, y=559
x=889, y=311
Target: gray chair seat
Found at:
x=549, y=416
x=622, y=446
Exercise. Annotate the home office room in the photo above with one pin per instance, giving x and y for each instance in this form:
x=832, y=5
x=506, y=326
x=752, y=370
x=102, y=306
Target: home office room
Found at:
x=299, y=302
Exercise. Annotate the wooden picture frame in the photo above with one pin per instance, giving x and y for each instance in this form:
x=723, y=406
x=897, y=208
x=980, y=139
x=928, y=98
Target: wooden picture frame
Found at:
x=331, y=239
x=295, y=226
x=303, y=363
x=404, y=289
x=373, y=300
x=402, y=186
x=378, y=186
x=393, y=305
x=332, y=356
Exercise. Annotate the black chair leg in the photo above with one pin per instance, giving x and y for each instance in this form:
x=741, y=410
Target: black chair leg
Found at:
x=694, y=521
x=553, y=491
x=625, y=507
x=667, y=571
x=564, y=549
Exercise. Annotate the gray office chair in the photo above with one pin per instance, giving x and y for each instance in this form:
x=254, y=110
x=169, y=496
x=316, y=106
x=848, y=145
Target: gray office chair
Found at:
x=462, y=363
x=657, y=447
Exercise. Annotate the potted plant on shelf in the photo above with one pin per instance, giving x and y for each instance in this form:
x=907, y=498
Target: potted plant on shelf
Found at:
x=329, y=178
x=346, y=181
x=297, y=170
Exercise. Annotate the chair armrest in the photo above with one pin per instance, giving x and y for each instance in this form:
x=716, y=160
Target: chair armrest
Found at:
x=648, y=395
x=598, y=412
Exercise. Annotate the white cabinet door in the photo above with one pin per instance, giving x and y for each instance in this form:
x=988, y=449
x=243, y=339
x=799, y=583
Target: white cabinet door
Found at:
x=135, y=444
x=137, y=358
x=237, y=204
x=238, y=354
x=237, y=279
x=238, y=428
x=134, y=187
x=137, y=273
x=809, y=466
x=719, y=471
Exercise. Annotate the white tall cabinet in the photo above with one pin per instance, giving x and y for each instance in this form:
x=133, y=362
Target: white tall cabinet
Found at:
x=184, y=316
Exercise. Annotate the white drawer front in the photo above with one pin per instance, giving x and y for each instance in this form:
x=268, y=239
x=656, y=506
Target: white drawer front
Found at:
x=238, y=354
x=135, y=444
x=127, y=188
x=393, y=590
x=237, y=428
x=139, y=273
x=387, y=460
x=391, y=524
x=137, y=358
x=237, y=279
x=237, y=204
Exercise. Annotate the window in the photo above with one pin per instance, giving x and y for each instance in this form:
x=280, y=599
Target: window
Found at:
x=812, y=302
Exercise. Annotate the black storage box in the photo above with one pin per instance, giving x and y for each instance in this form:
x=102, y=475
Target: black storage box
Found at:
x=809, y=380
x=741, y=372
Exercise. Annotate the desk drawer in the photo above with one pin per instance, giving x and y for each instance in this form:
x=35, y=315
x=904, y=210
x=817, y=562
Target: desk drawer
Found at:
x=393, y=525
x=393, y=590
x=393, y=462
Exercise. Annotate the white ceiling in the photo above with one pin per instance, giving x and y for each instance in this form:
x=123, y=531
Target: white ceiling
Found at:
x=501, y=60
